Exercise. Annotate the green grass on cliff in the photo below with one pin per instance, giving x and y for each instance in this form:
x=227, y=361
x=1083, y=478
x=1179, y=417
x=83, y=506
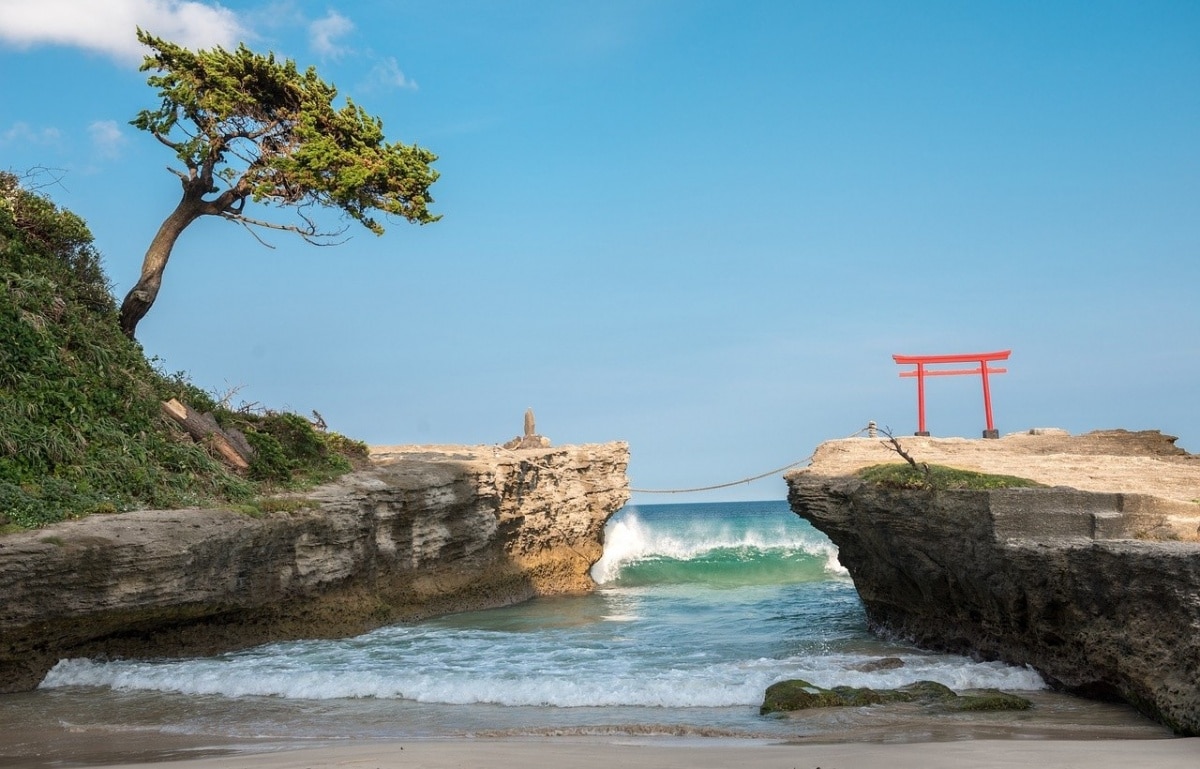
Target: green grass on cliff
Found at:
x=81, y=428
x=905, y=476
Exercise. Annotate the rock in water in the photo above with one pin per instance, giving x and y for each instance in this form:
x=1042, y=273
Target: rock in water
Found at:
x=798, y=694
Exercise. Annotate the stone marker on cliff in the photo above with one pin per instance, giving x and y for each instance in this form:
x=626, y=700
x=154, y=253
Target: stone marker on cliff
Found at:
x=530, y=440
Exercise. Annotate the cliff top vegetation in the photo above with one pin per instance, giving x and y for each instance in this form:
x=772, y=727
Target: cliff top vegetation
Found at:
x=81, y=423
x=908, y=476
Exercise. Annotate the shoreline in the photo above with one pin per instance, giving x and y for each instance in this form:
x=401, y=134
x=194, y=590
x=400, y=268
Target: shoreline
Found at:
x=830, y=737
x=665, y=753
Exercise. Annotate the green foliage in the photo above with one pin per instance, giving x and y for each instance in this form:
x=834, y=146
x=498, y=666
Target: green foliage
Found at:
x=290, y=452
x=273, y=134
x=32, y=228
x=262, y=506
x=81, y=428
x=284, y=504
x=270, y=463
x=905, y=476
x=355, y=451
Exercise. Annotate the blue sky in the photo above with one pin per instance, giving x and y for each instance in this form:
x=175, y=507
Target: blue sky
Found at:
x=701, y=227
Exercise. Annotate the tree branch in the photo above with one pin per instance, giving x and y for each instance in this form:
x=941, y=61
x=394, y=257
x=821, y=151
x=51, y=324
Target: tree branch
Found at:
x=309, y=233
x=921, y=467
x=56, y=176
x=249, y=229
x=165, y=140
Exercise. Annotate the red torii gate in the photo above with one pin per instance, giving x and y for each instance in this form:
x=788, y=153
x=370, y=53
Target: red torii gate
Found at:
x=982, y=358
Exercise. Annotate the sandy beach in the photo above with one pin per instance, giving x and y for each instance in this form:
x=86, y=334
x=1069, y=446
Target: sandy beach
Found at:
x=705, y=754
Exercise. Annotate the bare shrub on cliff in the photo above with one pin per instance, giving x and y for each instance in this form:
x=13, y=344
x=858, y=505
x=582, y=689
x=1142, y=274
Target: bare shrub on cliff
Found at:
x=922, y=467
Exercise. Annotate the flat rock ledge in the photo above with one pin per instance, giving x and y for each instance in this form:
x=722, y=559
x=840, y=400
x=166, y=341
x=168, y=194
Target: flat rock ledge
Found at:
x=1098, y=589
x=427, y=530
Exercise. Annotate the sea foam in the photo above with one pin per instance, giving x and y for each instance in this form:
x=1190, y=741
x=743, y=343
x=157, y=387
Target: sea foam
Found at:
x=719, y=684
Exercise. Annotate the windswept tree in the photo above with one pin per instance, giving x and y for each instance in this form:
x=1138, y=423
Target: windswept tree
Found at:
x=246, y=127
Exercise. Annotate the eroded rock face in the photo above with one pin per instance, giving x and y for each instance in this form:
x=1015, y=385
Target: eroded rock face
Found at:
x=1054, y=578
x=428, y=530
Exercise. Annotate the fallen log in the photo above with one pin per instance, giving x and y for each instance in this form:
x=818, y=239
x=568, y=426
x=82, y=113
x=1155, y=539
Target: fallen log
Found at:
x=205, y=430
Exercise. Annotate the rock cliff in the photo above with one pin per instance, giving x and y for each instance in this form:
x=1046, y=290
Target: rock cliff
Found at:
x=427, y=530
x=1097, y=590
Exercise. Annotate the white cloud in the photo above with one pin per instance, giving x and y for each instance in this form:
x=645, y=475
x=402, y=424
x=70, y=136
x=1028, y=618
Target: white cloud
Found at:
x=323, y=34
x=23, y=133
x=107, y=138
x=388, y=73
x=109, y=26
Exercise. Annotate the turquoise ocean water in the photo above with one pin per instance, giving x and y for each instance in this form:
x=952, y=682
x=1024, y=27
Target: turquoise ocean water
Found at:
x=699, y=608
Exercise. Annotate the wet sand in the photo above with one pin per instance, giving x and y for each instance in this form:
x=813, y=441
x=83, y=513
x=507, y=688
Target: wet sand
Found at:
x=668, y=753
x=49, y=732
x=1085, y=735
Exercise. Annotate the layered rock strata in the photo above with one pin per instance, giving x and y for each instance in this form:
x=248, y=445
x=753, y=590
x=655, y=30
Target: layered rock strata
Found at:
x=427, y=530
x=1097, y=590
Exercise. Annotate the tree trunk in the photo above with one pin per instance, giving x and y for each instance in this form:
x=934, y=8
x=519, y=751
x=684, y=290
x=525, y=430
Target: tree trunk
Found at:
x=141, y=297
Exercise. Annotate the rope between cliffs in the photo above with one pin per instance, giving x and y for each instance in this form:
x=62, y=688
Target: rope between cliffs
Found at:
x=869, y=429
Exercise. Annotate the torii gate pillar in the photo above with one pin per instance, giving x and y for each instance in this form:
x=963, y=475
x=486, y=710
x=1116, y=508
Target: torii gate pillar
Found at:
x=920, y=372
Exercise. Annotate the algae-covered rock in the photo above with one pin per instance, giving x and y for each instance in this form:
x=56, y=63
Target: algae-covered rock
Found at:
x=797, y=694
x=859, y=696
x=987, y=700
x=801, y=695
x=926, y=691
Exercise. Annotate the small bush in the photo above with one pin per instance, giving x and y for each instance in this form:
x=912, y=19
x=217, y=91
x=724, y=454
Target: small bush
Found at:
x=289, y=451
x=270, y=462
